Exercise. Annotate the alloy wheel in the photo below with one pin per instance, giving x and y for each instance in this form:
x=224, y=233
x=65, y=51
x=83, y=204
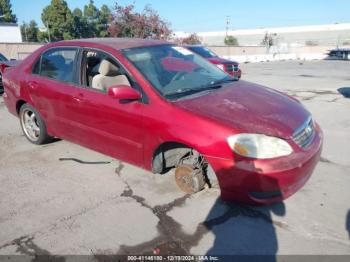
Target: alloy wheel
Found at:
x=30, y=125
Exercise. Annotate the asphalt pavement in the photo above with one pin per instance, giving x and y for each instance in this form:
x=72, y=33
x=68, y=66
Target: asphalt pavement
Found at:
x=49, y=206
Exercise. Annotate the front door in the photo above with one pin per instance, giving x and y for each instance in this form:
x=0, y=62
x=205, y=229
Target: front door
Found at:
x=108, y=125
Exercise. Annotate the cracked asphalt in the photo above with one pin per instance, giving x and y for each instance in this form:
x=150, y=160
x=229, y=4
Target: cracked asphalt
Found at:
x=53, y=207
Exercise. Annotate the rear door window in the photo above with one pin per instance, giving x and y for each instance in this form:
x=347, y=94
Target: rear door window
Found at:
x=58, y=64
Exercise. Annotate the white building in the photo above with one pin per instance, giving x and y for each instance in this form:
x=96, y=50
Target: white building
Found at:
x=332, y=34
x=10, y=33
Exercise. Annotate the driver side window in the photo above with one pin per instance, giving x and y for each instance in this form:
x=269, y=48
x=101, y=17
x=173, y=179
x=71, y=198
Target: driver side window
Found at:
x=101, y=71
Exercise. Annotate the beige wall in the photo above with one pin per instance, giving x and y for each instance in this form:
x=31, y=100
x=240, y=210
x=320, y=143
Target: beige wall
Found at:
x=21, y=50
x=261, y=50
x=18, y=50
x=237, y=50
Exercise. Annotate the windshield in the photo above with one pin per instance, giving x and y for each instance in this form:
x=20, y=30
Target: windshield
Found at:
x=2, y=58
x=202, y=51
x=175, y=71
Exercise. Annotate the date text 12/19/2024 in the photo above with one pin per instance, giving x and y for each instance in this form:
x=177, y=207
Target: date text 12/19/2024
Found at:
x=173, y=258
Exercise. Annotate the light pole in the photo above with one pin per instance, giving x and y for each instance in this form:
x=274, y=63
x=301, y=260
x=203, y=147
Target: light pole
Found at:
x=228, y=21
x=48, y=31
x=25, y=31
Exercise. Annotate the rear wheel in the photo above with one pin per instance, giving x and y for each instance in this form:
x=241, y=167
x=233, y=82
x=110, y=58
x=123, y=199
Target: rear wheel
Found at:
x=33, y=126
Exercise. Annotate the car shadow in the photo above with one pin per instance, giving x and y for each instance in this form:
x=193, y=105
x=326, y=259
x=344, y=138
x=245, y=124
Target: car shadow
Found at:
x=244, y=231
x=347, y=223
x=248, y=232
x=344, y=91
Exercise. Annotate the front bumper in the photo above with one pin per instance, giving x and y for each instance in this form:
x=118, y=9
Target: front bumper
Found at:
x=266, y=181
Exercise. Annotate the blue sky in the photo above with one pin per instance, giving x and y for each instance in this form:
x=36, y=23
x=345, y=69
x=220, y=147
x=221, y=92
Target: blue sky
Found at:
x=210, y=15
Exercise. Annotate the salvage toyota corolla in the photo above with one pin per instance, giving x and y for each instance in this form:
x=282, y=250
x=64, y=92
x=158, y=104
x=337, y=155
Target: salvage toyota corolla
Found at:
x=161, y=107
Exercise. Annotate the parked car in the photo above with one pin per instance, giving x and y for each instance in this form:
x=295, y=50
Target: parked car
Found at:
x=230, y=67
x=339, y=53
x=2, y=58
x=158, y=106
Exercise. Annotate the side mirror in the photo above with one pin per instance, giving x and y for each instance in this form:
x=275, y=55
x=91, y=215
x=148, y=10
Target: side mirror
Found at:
x=123, y=92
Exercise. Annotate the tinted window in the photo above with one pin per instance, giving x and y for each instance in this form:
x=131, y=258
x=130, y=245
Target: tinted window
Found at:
x=202, y=51
x=36, y=67
x=2, y=58
x=58, y=64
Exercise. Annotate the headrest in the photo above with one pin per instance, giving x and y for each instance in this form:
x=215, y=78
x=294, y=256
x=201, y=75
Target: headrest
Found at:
x=92, y=61
x=57, y=60
x=107, y=68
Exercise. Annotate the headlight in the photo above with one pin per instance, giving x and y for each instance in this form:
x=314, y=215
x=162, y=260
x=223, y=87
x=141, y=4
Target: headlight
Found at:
x=222, y=67
x=259, y=146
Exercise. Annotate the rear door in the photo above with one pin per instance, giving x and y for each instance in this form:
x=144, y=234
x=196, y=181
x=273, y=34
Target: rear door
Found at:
x=53, y=87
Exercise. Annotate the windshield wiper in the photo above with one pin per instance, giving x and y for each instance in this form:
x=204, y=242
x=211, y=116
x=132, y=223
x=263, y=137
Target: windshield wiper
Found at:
x=190, y=91
x=225, y=80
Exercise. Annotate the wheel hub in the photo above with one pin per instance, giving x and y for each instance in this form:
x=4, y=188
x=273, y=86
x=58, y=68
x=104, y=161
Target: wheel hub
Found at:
x=188, y=179
x=30, y=125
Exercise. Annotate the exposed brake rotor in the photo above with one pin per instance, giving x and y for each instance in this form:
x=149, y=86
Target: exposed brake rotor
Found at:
x=188, y=179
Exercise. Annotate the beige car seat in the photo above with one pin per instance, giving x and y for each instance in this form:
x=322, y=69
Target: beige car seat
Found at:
x=108, y=76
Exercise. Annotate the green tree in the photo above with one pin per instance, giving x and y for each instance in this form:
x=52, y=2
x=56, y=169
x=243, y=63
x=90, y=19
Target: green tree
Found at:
x=58, y=18
x=30, y=31
x=91, y=14
x=231, y=40
x=6, y=12
x=43, y=36
x=80, y=26
x=103, y=21
x=192, y=39
x=127, y=22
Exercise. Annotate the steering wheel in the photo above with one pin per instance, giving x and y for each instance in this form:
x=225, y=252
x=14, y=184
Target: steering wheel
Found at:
x=178, y=75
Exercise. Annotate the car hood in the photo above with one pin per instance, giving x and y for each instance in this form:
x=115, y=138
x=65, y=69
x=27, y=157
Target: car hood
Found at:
x=250, y=108
x=219, y=60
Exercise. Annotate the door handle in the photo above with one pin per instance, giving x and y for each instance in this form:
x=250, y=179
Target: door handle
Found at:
x=33, y=85
x=79, y=98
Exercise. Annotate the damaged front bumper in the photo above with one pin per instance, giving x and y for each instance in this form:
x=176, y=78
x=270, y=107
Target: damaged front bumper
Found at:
x=266, y=181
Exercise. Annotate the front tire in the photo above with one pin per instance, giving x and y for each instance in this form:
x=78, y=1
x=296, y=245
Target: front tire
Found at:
x=33, y=126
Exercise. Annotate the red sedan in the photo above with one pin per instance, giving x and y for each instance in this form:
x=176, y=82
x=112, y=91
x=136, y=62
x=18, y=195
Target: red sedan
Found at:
x=230, y=67
x=2, y=59
x=158, y=106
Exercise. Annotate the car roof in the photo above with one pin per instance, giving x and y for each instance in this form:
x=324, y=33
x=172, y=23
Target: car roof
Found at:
x=116, y=43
